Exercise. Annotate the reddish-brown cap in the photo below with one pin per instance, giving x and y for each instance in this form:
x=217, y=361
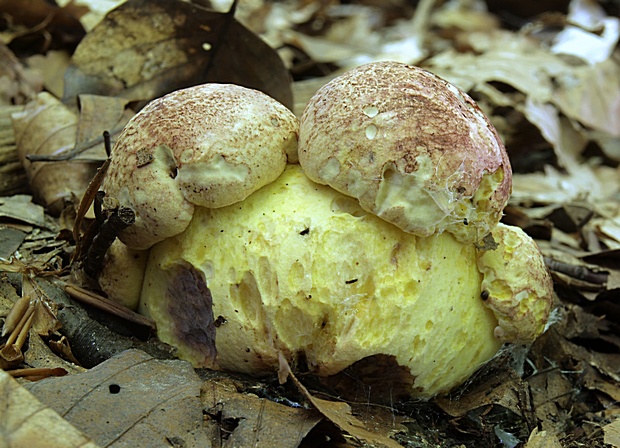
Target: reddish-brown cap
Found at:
x=412, y=148
x=210, y=145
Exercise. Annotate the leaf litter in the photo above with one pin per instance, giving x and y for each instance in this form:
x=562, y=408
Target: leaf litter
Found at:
x=550, y=83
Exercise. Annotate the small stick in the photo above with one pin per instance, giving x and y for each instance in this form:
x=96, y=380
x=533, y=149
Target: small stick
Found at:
x=577, y=272
x=88, y=197
x=107, y=144
x=41, y=372
x=107, y=305
x=23, y=334
x=118, y=221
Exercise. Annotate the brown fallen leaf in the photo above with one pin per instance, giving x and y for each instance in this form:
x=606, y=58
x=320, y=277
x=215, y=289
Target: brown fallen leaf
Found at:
x=27, y=423
x=146, y=48
x=21, y=209
x=253, y=421
x=34, y=25
x=337, y=412
x=61, y=149
x=51, y=67
x=612, y=433
x=503, y=388
x=98, y=114
x=131, y=400
x=45, y=127
x=542, y=439
x=18, y=84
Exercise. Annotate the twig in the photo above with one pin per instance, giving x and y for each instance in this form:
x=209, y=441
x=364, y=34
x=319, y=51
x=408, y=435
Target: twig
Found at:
x=118, y=220
x=107, y=305
x=577, y=272
x=38, y=372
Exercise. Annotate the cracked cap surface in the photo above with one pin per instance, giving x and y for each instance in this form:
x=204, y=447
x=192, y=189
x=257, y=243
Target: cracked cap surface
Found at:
x=413, y=149
x=209, y=145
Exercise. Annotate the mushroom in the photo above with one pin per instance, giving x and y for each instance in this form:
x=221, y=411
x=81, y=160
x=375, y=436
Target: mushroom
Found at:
x=205, y=146
x=382, y=245
x=412, y=148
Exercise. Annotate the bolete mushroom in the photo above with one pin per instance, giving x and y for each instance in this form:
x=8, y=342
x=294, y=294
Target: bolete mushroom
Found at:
x=208, y=146
x=316, y=272
x=205, y=146
x=412, y=148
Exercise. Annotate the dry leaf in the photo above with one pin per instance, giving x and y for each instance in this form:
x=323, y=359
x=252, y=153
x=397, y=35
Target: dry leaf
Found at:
x=498, y=51
x=565, y=140
x=10, y=240
x=253, y=421
x=130, y=400
x=62, y=150
x=47, y=127
x=52, y=67
x=591, y=95
x=99, y=114
x=35, y=23
x=505, y=388
x=146, y=48
x=337, y=412
x=542, y=439
x=20, y=208
x=591, y=35
x=27, y=423
x=612, y=433
x=17, y=83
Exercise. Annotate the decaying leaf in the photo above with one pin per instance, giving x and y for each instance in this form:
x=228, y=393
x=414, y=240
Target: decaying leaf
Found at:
x=130, y=399
x=26, y=422
x=542, y=439
x=46, y=127
x=337, y=412
x=50, y=135
x=612, y=433
x=505, y=388
x=99, y=114
x=20, y=208
x=18, y=84
x=245, y=420
x=145, y=49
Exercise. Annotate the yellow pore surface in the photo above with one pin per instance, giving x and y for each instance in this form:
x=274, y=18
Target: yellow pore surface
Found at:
x=300, y=268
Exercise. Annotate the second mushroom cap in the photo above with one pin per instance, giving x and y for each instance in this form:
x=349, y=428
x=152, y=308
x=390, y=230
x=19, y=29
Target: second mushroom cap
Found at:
x=412, y=148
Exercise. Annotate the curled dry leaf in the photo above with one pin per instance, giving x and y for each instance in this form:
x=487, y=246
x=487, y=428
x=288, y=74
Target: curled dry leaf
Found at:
x=49, y=134
x=46, y=126
x=145, y=49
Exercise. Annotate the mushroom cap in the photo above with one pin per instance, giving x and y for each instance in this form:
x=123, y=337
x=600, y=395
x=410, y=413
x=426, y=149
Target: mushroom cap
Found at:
x=412, y=148
x=209, y=145
x=301, y=269
x=516, y=285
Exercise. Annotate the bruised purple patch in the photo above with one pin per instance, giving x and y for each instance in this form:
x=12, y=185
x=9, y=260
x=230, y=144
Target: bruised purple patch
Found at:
x=190, y=306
